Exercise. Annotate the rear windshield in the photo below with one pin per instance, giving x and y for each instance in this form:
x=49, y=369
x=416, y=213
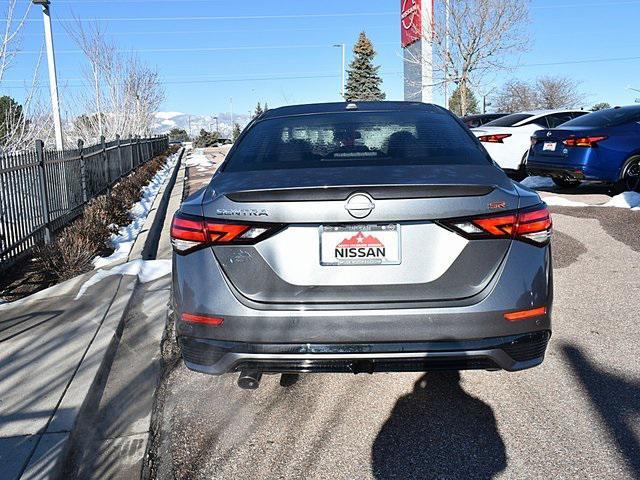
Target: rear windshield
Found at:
x=509, y=120
x=352, y=139
x=606, y=118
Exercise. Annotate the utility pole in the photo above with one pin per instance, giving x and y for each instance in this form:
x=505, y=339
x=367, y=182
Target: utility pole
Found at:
x=342, y=72
x=53, y=78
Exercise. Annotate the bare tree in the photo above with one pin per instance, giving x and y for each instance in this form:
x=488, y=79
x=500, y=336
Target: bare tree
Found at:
x=10, y=41
x=558, y=92
x=516, y=96
x=482, y=34
x=544, y=93
x=123, y=92
x=28, y=118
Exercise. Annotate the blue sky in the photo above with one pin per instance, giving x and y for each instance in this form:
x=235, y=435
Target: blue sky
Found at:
x=284, y=53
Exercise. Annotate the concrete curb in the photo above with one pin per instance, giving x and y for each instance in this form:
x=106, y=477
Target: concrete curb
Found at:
x=141, y=240
x=150, y=249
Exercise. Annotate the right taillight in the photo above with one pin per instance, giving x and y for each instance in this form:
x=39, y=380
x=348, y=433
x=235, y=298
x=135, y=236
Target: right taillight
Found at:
x=588, y=142
x=532, y=225
x=191, y=232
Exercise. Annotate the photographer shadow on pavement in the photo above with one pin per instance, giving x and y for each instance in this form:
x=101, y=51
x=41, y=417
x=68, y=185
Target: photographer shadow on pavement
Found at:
x=439, y=431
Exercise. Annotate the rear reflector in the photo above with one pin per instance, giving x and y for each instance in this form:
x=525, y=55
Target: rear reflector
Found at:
x=202, y=319
x=495, y=138
x=190, y=232
x=531, y=225
x=584, y=141
x=522, y=314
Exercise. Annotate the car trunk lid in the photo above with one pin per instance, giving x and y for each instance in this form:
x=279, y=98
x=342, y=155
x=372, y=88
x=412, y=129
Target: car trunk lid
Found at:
x=423, y=260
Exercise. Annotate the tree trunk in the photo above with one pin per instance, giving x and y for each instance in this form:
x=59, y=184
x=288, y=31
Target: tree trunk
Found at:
x=463, y=97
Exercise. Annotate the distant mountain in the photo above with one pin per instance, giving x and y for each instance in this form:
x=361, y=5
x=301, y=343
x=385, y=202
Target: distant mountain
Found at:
x=165, y=121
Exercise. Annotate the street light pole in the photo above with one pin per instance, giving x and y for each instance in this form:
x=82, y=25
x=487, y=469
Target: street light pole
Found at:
x=53, y=78
x=344, y=57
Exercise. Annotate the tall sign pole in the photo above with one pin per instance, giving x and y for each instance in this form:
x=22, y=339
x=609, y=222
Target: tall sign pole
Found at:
x=416, y=28
x=53, y=78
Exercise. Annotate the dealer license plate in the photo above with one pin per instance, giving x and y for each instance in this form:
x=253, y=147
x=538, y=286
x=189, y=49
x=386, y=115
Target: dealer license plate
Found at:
x=360, y=244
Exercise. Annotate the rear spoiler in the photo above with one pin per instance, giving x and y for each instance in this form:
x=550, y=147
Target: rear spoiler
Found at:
x=378, y=192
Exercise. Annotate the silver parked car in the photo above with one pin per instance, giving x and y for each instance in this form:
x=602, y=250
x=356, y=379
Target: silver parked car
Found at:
x=360, y=237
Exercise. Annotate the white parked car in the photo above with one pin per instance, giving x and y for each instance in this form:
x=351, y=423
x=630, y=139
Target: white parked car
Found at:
x=508, y=139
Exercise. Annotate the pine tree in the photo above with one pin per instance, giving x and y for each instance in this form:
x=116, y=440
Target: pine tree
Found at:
x=363, y=82
x=259, y=111
x=456, y=102
x=266, y=106
x=236, y=131
x=10, y=117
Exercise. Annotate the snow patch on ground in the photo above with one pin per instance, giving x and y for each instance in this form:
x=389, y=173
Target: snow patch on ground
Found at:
x=146, y=270
x=198, y=160
x=537, y=182
x=629, y=200
x=123, y=241
x=564, y=202
x=625, y=200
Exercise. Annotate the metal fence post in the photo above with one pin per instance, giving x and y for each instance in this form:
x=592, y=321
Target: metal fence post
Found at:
x=105, y=163
x=120, y=169
x=138, y=151
x=44, y=191
x=83, y=171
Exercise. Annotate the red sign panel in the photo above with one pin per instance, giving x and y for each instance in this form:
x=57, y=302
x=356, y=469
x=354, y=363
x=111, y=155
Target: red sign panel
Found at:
x=410, y=21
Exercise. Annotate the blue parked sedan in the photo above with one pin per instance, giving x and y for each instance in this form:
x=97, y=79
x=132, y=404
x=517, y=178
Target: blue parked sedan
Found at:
x=601, y=147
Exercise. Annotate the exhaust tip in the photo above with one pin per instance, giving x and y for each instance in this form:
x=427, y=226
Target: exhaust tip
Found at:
x=249, y=380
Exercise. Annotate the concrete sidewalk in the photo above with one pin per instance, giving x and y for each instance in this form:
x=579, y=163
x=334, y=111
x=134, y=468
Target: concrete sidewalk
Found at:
x=55, y=347
x=51, y=351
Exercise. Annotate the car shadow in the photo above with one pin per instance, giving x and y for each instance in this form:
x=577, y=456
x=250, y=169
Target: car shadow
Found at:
x=617, y=401
x=439, y=431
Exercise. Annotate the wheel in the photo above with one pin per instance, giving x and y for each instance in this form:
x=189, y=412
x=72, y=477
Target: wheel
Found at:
x=521, y=173
x=563, y=182
x=630, y=179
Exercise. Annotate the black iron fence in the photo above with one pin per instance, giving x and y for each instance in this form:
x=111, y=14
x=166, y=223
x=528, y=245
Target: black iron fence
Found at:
x=42, y=190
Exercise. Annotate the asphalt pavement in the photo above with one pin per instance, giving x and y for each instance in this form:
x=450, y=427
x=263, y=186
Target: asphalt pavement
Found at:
x=576, y=416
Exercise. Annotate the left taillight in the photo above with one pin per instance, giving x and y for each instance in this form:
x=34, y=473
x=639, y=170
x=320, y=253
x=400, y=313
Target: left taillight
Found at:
x=191, y=232
x=532, y=225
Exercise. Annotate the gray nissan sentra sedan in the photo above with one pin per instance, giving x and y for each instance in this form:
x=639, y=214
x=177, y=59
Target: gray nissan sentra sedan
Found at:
x=360, y=237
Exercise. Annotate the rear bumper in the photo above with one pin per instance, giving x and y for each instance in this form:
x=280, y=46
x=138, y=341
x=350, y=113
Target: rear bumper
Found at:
x=514, y=352
x=577, y=172
x=548, y=170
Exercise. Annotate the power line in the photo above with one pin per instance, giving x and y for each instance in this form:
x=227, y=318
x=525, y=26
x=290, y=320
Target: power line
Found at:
x=575, y=62
x=200, y=49
x=266, y=77
x=229, y=30
x=308, y=75
x=222, y=17
x=583, y=5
